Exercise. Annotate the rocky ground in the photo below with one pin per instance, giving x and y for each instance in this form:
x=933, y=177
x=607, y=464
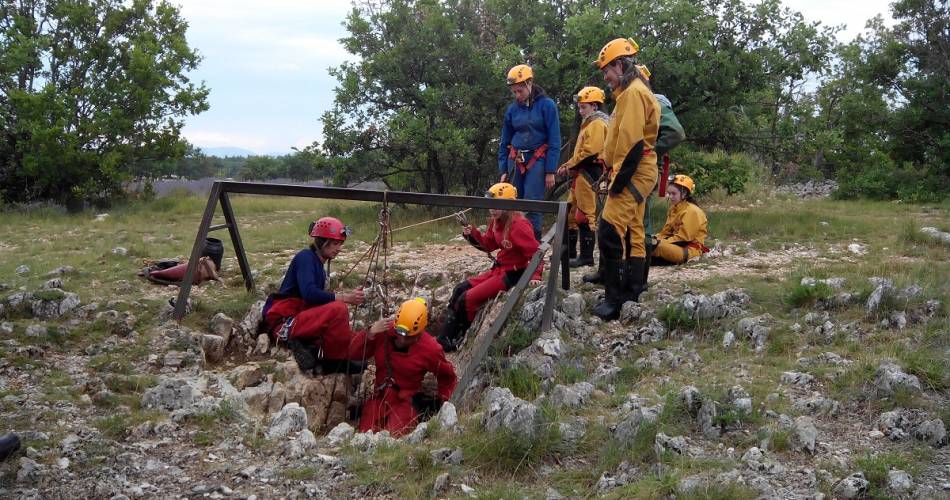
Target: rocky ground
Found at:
x=756, y=372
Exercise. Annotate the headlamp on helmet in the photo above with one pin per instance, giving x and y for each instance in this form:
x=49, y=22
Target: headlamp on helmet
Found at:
x=412, y=317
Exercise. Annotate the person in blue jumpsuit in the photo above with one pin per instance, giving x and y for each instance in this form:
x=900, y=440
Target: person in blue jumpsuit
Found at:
x=530, y=148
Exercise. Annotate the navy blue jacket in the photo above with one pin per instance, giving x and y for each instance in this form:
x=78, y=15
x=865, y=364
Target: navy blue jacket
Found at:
x=306, y=279
x=528, y=127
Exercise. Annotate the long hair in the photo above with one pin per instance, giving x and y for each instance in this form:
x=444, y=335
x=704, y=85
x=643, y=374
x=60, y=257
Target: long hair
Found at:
x=507, y=218
x=630, y=72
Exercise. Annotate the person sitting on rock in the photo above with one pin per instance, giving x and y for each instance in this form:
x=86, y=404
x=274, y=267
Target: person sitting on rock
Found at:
x=404, y=352
x=513, y=235
x=684, y=233
x=313, y=321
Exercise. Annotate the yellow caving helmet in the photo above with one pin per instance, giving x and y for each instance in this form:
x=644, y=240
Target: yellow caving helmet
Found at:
x=502, y=190
x=644, y=71
x=412, y=318
x=590, y=94
x=615, y=48
x=519, y=73
x=684, y=181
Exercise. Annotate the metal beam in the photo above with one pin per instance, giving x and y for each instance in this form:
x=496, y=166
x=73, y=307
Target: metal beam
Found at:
x=444, y=200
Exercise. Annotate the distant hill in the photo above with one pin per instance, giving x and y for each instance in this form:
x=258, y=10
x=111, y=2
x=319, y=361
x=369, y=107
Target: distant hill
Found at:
x=227, y=151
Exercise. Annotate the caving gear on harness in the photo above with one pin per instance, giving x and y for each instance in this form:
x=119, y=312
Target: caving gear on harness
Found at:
x=590, y=94
x=684, y=181
x=330, y=228
x=502, y=190
x=615, y=48
x=412, y=317
x=519, y=73
x=518, y=156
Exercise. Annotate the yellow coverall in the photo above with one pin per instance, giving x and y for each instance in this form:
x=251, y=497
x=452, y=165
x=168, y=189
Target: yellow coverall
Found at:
x=582, y=197
x=683, y=235
x=636, y=117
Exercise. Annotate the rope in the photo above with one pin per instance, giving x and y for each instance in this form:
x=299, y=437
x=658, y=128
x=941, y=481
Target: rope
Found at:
x=460, y=212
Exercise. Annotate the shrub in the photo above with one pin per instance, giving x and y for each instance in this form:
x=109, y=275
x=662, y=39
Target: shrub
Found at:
x=803, y=295
x=674, y=316
x=718, y=169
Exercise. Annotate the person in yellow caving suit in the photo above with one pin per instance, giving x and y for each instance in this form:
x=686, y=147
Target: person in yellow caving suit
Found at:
x=585, y=169
x=629, y=156
x=684, y=233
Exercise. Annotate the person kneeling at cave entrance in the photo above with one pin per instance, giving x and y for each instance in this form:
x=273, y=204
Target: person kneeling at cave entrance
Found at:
x=403, y=354
x=313, y=321
x=513, y=235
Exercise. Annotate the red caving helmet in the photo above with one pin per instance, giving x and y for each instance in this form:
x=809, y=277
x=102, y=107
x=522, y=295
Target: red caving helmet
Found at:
x=330, y=228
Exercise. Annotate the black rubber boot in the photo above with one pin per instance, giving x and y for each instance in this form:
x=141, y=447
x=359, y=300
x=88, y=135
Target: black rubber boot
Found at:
x=609, y=308
x=650, y=246
x=304, y=354
x=452, y=330
x=596, y=277
x=634, y=278
x=9, y=444
x=572, y=243
x=586, y=257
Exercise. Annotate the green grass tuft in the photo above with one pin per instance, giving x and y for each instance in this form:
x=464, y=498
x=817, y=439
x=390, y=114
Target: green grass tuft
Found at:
x=675, y=317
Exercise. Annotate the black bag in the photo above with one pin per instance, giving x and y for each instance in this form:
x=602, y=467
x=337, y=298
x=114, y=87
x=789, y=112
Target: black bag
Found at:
x=214, y=249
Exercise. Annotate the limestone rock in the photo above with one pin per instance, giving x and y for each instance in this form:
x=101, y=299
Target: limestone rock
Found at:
x=448, y=417
x=628, y=427
x=663, y=443
x=890, y=377
x=630, y=311
x=816, y=405
x=797, y=379
x=899, y=483
x=728, y=339
x=169, y=395
x=932, y=431
x=572, y=396
x=573, y=305
x=447, y=456
x=213, y=347
x=245, y=376
x=221, y=325
x=54, y=306
x=804, y=434
x=504, y=411
x=340, y=434
x=418, y=434
x=441, y=485
x=936, y=234
x=292, y=418
x=852, y=486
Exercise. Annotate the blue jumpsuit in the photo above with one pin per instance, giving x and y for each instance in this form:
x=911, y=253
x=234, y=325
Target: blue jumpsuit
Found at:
x=527, y=127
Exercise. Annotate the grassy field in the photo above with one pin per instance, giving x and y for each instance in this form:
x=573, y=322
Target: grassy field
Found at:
x=807, y=238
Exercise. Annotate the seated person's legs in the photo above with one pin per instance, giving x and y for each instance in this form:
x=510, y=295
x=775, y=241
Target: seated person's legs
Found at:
x=667, y=253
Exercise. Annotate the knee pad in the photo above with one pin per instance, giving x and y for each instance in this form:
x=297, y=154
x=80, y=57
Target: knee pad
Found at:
x=609, y=241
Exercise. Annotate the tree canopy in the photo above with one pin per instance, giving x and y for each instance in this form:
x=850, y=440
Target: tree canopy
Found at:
x=92, y=93
x=420, y=107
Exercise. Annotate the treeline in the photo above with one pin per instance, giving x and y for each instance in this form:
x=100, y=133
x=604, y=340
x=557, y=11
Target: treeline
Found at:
x=421, y=107
x=303, y=165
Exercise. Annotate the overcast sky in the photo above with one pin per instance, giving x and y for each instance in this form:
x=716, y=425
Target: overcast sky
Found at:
x=266, y=65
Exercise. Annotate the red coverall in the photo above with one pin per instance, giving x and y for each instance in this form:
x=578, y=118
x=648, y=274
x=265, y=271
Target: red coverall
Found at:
x=327, y=325
x=399, y=377
x=517, y=248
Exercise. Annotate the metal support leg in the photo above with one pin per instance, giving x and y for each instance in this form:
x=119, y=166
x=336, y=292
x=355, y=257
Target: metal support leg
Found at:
x=556, y=251
x=236, y=241
x=185, y=288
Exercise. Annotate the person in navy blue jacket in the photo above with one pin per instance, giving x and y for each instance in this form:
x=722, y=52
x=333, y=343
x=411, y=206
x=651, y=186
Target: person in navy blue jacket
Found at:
x=313, y=321
x=530, y=145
